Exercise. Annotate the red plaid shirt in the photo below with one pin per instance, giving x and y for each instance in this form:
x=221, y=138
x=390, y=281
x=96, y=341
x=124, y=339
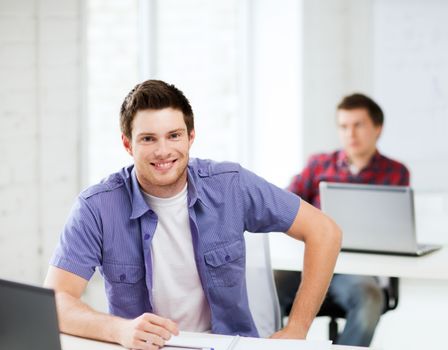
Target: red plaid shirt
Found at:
x=334, y=167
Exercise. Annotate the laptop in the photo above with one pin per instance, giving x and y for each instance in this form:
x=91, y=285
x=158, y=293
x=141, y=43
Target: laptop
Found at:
x=28, y=318
x=374, y=218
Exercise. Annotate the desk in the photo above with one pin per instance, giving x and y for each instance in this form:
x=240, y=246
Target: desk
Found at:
x=420, y=320
x=287, y=254
x=74, y=343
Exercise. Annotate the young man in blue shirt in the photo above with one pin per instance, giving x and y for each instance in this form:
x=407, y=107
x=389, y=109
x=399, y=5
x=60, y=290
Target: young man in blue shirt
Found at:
x=167, y=235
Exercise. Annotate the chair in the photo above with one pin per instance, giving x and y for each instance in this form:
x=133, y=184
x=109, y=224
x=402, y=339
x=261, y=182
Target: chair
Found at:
x=261, y=289
x=287, y=283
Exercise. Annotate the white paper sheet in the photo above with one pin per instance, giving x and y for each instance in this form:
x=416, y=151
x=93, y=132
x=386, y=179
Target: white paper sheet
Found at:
x=194, y=341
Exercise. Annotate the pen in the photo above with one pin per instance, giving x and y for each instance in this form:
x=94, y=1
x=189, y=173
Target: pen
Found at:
x=189, y=347
x=234, y=342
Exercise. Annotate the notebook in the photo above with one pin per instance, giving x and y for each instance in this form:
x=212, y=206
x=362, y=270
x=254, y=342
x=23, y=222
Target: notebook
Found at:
x=374, y=218
x=201, y=341
x=28, y=318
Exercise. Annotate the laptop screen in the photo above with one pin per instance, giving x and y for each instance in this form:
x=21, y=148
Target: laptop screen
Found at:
x=28, y=319
x=372, y=217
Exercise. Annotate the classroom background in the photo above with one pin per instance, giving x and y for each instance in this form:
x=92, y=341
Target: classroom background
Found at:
x=263, y=78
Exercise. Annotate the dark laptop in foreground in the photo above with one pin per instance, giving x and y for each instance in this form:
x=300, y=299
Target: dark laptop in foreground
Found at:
x=374, y=218
x=28, y=319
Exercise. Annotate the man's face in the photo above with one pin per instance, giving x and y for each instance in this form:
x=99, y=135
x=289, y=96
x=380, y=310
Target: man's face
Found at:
x=357, y=132
x=160, y=147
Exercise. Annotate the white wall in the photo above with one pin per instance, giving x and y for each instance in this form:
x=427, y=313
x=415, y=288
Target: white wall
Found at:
x=112, y=71
x=337, y=61
x=275, y=85
x=411, y=82
x=198, y=50
x=40, y=104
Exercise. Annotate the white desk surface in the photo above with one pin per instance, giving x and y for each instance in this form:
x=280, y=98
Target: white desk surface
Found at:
x=287, y=254
x=74, y=343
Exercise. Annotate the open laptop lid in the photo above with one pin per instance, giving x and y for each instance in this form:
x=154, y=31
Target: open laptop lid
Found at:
x=373, y=218
x=28, y=319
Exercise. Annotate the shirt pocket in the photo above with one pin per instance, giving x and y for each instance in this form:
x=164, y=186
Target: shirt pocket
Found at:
x=125, y=286
x=226, y=264
x=119, y=273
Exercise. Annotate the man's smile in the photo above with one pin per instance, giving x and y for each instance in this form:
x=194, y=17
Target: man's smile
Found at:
x=165, y=165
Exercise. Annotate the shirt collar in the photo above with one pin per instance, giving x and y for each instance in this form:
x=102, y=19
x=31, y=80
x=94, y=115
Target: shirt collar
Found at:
x=375, y=159
x=139, y=205
x=342, y=159
x=192, y=189
x=194, y=193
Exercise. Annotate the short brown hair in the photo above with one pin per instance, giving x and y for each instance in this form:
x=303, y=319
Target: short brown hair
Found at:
x=358, y=100
x=153, y=94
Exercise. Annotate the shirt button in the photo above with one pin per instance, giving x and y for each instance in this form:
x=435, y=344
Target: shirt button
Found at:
x=122, y=277
x=146, y=237
x=227, y=257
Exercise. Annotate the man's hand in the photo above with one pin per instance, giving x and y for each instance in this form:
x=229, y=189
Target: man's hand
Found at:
x=288, y=333
x=146, y=332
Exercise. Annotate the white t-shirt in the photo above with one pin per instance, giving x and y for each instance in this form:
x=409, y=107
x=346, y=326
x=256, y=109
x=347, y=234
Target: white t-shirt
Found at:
x=177, y=290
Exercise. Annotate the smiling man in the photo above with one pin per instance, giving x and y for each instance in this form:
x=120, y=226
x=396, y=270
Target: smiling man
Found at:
x=160, y=147
x=167, y=235
x=360, y=122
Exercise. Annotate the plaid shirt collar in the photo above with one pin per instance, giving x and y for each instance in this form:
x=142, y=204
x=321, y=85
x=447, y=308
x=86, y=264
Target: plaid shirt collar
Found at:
x=343, y=161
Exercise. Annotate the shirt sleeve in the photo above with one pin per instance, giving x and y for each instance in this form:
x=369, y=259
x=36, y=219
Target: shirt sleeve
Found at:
x=405, y=177
x=267, y=208
x=302, y=184
x=79, y=247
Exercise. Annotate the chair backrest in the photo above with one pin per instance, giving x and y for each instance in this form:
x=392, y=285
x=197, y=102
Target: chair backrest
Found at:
x=261, y=290
x=391, y=292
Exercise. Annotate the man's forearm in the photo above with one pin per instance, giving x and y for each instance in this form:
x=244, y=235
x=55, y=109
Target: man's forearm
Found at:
x=316, y=277
x=77, y=318
x=322, y=245
x=319, y=261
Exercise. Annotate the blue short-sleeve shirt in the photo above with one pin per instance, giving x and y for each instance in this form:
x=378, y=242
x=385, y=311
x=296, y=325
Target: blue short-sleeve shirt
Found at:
x=111, y=226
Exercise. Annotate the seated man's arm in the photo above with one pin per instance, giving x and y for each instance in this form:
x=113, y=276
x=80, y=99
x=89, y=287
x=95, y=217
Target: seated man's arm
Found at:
x=322, y=239
x=148, y=331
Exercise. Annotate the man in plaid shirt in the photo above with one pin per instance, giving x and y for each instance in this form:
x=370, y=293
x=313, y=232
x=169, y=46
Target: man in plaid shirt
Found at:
x=360, y=122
